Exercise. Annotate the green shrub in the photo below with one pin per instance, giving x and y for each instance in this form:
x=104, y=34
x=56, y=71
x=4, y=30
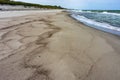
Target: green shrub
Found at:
x=9, y=2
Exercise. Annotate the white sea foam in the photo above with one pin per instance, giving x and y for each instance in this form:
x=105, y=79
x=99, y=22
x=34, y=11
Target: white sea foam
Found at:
x=117, y=14
x=105, y=12
x=77, y=10
x=97, y=25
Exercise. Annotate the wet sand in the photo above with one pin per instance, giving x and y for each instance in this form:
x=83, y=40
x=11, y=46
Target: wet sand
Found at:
x=53, y=46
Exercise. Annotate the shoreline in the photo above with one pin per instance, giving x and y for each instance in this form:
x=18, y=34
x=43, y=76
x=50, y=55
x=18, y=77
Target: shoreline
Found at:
x=53, y=46
x=106, y=35
x=93, y=27
x=106, y=27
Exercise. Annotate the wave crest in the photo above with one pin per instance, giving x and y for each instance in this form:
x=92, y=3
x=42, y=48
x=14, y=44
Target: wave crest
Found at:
x=102, y=26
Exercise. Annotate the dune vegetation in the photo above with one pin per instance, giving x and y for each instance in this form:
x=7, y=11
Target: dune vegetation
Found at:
x=11, y=2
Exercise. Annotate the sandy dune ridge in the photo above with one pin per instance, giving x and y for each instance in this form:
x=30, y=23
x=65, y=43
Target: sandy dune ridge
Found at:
x=53, y=46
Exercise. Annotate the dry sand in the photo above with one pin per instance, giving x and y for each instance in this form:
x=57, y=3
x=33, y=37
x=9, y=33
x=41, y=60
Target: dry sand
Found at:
x=53, y=46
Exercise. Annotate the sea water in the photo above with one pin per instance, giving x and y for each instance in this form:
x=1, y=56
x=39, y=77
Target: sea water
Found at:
x=105, y=20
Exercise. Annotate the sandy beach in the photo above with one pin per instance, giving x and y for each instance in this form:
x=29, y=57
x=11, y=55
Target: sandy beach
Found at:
x=53, y=46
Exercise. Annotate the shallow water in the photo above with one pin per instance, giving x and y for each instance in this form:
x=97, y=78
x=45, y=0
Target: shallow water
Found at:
x=106, y=21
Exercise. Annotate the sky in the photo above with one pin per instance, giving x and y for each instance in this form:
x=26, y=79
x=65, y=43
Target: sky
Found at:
x=80, y=4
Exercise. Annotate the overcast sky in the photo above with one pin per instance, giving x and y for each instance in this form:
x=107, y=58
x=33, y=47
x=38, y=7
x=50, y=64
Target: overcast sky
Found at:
x=80, y=4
